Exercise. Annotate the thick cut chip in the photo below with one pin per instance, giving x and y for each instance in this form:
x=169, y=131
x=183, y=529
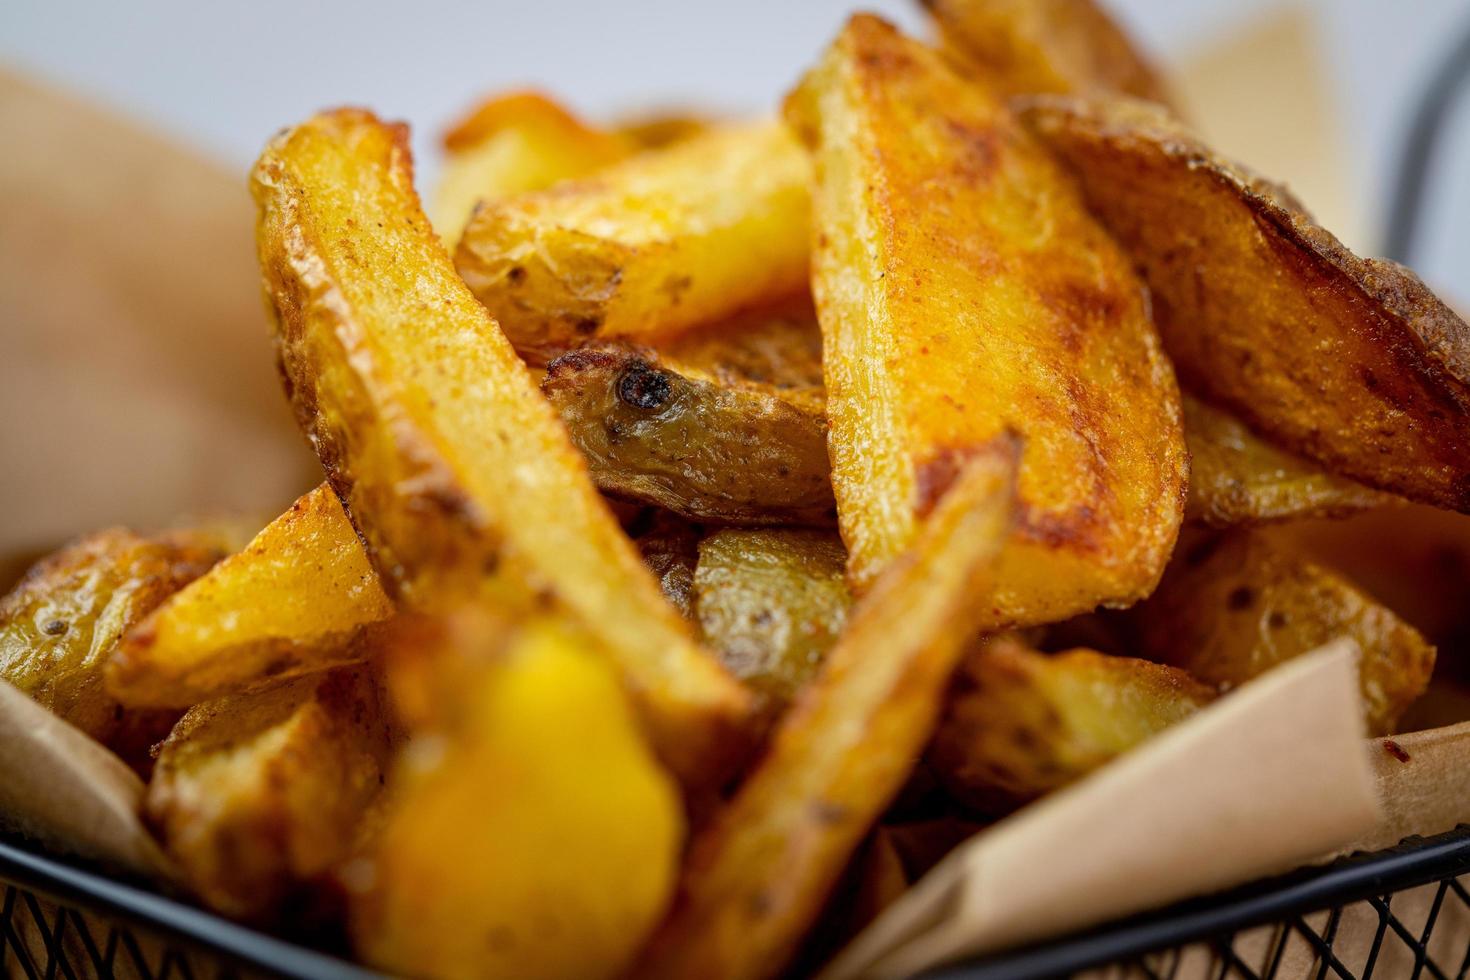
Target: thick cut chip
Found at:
x=663, y=127
x=706, y=450
x=62, y=623
x=757, y=876
x=1019, y=47
x=1236, y=477
x=776, y=347
x=771, y=603
x=528, y=832
x=255, y=795
x=963, y=291
x=667, y=240
x=1351, y=363
x=296, y=600
x=455, y=470
x=1231, y=607
x=520, y=141
x=1020, y=724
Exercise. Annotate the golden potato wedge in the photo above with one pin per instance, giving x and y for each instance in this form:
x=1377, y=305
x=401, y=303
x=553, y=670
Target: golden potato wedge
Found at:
x=455, y=471
x=663, y=127
x=776, y=347
x=670, y=548
x=1236, y=477
x=1018, y=47
x=737, y=455
x=63, y=620
x=1235, y=605
x=529, y=831
x=962, y=291
x=255, y=795
x=1353, y=364
x=296, y=600
x=757, y=876
x=771, y=603
x=1020, y=724
x=514, y=142
x=667, y=240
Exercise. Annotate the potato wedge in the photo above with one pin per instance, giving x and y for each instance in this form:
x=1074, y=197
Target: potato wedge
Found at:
x=296, y=600
x=1236, y=477
x=62, y=623
x=515, y=142
x=1020, y=724
x=737, y=455
x=529, y=831
x=1233, y=606
x=1353, y=364
x=255, y=795
x=667, y=240
x=1019, y=47
x=776, y=347
x=963, y=291
x=670, y=548
x=757, y=876
x=771, y=603
x=663, y=127
x=453, y=468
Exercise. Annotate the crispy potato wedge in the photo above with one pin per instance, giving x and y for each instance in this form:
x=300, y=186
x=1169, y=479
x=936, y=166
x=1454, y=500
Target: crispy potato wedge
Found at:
x=62, y=623
x=515, y=142
x=757, y=876
x=529, y=831
x=667, y=240
x=1020, y=724
x=1233, y=606
x=670, y=548
x=1353, y=364
x=1237, y=478
x=1018, y=47
x=772, y=602
x=255, y=795
x=963, y=291
x=296, y=600
x=664, y=127
x=776, y=347
x=453, y=468
x=737, y=455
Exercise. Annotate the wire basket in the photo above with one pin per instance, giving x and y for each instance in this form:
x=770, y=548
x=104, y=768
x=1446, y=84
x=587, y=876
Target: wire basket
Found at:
x=1402, y=912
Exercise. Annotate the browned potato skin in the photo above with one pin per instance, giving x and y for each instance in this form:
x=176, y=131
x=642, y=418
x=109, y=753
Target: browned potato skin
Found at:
x=62, y=622
x=1233, y=606
x=665, y=127
x=701, y=449
x=299, y=598
x=256, y=794
x=670, y=548
x=963, y=291
x=1237, y=478
x=772, y=602
x=1351, y=363
x=1019, y=47
x=757, y=876
x=1020, y=724
x=455, y=471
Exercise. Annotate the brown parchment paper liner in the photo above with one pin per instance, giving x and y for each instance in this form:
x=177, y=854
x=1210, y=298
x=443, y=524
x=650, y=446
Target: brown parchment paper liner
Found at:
x=61, y=788
x=1270, y=777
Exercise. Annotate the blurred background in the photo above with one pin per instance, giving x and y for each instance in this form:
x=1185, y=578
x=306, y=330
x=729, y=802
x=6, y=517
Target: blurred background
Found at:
x=135, y=330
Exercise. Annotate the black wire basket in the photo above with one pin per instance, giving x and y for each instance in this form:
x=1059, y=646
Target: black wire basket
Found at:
x=1403, y=912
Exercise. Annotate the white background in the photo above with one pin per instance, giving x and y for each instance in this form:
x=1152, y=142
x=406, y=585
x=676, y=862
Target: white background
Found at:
x=224, y=75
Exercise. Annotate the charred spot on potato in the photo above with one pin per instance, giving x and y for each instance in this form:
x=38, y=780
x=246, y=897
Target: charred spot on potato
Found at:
x=1241, y=598
x=54, y=627
x=643, y=386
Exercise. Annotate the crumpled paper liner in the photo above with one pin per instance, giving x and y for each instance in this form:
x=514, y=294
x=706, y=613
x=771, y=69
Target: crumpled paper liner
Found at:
x=1266, y=779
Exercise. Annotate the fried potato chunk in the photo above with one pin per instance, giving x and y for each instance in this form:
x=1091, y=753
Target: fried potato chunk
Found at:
x=1020, y=724
x=964, y=291
x=776, y=347
x=1353, y=364
x=529, y=831
x=456, y=472
x=663, y=127
x=1236, y=477
x=771, y=602
x=296, y=600
x=515, y=142
x=255, y=795
x=757, y=876
x=1233, y=606
x=708, y=451
x=1018, y=47
x=62, y=623
x=670, y=548
x=667, y=240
